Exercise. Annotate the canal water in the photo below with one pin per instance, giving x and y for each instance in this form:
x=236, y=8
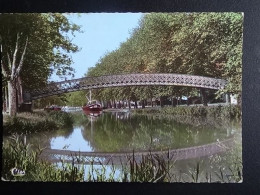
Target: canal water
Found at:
x=124, y=132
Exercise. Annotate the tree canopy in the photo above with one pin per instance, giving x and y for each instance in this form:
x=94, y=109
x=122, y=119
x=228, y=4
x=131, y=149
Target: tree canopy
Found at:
x=204, y=44
x=32, y=46
x=48, y=45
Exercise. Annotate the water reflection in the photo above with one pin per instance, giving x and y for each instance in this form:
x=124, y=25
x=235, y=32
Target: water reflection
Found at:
x=92, y=114
x=123, y=132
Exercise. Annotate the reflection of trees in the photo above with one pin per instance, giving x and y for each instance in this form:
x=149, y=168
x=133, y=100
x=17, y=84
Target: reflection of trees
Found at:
x=65, y=132
x=110, y=133
x=44, y=139
x=79, y=119
x=40, y=139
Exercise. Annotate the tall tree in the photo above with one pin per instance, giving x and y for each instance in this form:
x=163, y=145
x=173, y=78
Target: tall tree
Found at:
x=32, y=45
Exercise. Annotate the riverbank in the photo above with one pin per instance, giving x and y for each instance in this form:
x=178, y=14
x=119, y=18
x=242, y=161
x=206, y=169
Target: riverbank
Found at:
x=37, y=121
x=221, y=111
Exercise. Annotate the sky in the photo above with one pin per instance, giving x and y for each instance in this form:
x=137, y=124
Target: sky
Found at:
x=102, y=33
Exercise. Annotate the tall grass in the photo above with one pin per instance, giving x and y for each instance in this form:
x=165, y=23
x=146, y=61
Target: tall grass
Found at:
x=25, y=123
x=147, y=168
x=18, y=155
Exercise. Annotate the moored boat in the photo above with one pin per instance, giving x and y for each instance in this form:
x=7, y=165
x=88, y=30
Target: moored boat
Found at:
x=92, y=106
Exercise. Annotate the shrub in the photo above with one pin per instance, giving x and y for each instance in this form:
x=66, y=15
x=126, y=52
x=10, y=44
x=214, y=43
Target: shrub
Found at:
x=36, y=122
x=62, y=119
x=230, y=111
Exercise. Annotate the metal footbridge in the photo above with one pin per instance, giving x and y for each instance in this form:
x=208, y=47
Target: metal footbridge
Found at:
x=121, y=80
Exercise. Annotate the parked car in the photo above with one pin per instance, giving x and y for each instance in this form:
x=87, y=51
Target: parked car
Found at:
x=52, y=107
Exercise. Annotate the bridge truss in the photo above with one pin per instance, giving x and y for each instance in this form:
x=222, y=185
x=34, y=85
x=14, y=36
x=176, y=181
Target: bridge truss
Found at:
x=125, y=80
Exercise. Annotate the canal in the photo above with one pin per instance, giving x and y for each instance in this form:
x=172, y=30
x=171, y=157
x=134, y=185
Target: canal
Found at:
x=190, y=141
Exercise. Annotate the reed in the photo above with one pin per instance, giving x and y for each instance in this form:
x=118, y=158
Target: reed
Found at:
x=147, y=168
x=18, y=155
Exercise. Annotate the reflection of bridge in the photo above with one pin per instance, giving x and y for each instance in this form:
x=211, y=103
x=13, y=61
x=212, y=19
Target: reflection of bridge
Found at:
x=118, y=158
x=124, y=80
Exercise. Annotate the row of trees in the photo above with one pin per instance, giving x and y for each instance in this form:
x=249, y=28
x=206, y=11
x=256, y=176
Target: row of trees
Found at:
x=32, y=47
x=205, y=44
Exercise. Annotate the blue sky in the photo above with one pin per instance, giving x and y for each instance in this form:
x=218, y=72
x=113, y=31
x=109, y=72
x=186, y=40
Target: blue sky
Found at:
x=102, y=32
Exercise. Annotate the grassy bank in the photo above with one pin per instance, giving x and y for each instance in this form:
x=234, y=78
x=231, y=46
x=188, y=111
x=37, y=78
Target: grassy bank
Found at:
x=37, y=121
x=151, y=168
x=230, y=111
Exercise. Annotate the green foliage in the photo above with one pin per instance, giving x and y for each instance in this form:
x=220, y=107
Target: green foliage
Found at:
x=230, y=111
x=77, y=98
x=62, y=119
x=26, y=126
x=60, y=100
x=152, y=168
x=48, y=44
x=26, y=123
x=205, y=44
x=19, y=155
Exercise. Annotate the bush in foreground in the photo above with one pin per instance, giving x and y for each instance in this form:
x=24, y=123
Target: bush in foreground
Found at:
x=150, y=168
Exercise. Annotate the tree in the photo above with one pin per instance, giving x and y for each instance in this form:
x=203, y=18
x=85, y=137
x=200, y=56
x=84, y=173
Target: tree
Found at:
x=32, y=45
x=204, y=44
x=77, y=98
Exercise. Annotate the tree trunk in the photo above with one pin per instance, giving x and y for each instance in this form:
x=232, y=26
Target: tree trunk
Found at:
x=228, y=98
x=114, y=103
x=129, y=104
x=143, y=106
x=136, y=105
x=204, y=98
x=12, y=98
x=239, y=99
x=19, y=94
x=6, y=101
x=188, y=101
x=161, y=101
